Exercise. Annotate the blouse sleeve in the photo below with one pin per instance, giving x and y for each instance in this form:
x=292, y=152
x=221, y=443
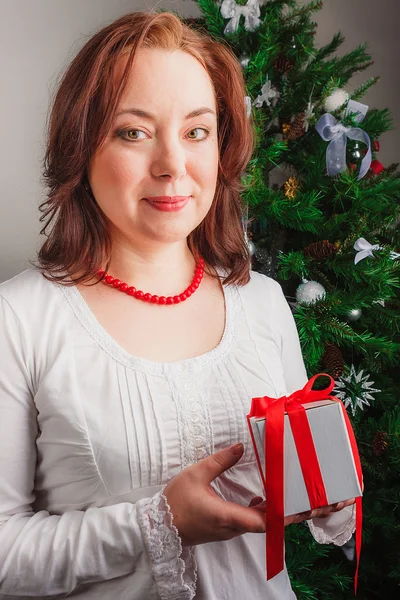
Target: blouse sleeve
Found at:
x=44, y=555
x=338, y=527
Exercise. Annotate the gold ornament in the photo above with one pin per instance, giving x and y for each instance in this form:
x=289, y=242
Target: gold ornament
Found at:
x=286, y=131
x=291, y=186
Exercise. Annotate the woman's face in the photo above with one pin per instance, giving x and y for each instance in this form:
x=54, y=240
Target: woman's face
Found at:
x=167, y=155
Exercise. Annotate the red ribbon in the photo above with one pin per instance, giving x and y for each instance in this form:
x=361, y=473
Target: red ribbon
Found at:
x=273, y=410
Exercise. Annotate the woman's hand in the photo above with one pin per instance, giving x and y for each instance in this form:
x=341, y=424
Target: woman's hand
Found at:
x=198, y=513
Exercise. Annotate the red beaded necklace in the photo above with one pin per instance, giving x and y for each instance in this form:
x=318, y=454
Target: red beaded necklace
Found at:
x=131, y=291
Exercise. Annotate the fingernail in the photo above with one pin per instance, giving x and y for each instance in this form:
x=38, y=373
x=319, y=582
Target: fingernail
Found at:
x=237, y=448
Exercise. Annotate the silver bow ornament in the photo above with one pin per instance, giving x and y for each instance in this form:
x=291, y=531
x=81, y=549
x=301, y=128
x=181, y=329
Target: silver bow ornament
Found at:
x=247, y=103
x=336, y=134
x=365, y=249
x=251, y=13
x=268, y=92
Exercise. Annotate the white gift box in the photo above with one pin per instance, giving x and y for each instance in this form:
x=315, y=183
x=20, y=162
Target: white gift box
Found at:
x=333, y=448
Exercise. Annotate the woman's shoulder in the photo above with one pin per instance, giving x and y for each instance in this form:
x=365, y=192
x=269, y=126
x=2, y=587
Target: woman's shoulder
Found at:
x=27, y=290
x=262, y=287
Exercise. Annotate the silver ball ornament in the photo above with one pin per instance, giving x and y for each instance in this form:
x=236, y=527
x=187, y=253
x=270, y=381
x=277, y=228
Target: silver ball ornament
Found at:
x=356, y=151
x=354, y=315
x=251, y=246
x=309, y=292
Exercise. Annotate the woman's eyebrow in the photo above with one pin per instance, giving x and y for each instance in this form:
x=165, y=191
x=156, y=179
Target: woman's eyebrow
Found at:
x=146, y=115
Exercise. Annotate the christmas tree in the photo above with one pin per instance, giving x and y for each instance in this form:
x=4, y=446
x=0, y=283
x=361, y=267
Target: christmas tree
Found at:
x=321, y=215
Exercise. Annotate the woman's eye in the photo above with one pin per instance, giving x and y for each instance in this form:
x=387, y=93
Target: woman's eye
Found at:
x=200, y=129
x=126, y=134
x=131, y=134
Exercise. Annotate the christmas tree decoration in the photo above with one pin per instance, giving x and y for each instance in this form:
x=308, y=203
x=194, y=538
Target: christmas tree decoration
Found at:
x=268, y=93
x=365, y=249
x=336, y=134
x=251, y=246
x=309, y=292
x=333, y=360
x=290, y=187
x=354, y=314
x=376, y=145
x=321, y=249
x=265, y=259
x=376, y=168
x=355, y=390
x=247, y=232
x=295, y=129
x=247, y=102
x=349, y=549
x=251, y=13
x=338, y=246
x=308, y=115
x=337, y=98
x=380, y=443
x=283, y=64
x=244, y=60
x=356, y=153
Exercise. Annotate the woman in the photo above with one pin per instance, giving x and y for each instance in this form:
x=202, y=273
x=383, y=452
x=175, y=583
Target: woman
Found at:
x=130, y=356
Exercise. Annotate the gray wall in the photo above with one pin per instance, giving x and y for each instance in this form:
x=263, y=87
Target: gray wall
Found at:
x=39, y=37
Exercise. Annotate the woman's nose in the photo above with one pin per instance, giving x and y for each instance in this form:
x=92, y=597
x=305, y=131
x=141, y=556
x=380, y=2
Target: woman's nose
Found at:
x=170, y=159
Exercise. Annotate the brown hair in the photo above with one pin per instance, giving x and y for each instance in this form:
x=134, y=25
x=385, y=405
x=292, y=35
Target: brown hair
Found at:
x=78, y=242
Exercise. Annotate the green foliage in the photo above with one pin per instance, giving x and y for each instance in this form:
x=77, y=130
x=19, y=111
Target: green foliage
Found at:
x=339, y=210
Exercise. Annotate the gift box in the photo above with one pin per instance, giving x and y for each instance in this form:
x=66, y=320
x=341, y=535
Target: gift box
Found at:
x=334, y=453
x=307, y=457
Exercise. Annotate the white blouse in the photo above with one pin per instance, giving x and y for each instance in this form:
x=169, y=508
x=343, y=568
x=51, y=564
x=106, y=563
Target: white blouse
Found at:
x=90, y=435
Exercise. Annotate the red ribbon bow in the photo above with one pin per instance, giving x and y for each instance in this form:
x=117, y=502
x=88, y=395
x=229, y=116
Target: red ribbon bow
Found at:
x=273, y=410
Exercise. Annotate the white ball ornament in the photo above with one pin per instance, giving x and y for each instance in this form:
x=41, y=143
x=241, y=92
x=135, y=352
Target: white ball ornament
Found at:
x=309, y=292
x=337, y=98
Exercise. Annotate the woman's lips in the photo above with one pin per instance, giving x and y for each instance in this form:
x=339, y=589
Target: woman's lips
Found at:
x=168, y=203
x=169, y=199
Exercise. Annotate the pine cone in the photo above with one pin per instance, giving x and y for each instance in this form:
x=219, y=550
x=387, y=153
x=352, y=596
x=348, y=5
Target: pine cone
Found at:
x=380, y=443
x=298, y=125
x=333, y=360
x=320, y=250
x=295, y=129
x=283, y=64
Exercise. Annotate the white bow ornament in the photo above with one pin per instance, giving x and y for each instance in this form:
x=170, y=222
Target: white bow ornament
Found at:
x=365, y=249
x=251, y=13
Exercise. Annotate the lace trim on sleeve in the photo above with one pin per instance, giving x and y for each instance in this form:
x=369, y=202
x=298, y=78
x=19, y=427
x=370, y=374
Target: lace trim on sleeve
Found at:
x=326, y=531
x=174, y=568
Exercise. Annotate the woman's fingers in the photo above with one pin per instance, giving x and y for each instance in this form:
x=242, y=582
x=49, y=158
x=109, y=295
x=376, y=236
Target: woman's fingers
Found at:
x=317, y=513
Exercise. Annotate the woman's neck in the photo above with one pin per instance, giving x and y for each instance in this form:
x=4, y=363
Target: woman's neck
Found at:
x=162, y=271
